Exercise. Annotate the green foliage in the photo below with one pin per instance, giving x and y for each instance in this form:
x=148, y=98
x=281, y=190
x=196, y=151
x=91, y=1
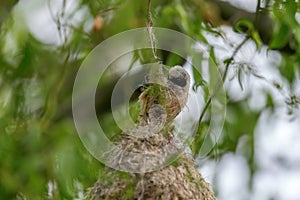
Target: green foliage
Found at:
x=241, y=121
x=41, y=156
x=246, y=26
x=286, y=27
x=283, y=35
x=201, y=140
x=199, y=81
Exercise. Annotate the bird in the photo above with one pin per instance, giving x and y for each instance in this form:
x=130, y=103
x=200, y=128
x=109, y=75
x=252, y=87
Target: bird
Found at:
x=171, y=94
x=145, y=158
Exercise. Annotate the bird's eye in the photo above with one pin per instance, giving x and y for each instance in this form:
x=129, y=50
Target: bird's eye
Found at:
x=180, y=81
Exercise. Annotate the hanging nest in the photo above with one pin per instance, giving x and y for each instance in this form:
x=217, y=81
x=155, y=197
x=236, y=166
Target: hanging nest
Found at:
x=180, y=180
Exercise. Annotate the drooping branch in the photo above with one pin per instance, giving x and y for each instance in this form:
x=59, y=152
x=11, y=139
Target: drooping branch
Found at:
x=230, y=14
x=261, y=20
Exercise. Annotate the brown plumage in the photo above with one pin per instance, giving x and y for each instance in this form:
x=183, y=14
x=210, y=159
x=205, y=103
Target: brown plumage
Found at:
x=172, y=95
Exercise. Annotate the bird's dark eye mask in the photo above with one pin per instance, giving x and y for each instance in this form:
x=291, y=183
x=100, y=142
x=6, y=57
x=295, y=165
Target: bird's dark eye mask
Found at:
x=180, y=81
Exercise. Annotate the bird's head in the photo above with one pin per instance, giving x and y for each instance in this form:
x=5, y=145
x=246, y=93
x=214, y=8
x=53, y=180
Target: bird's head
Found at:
x=178, y=79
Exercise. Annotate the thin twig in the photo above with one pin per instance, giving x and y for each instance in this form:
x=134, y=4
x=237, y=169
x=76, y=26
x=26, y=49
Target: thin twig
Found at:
x=257, y=12
x=232, y=57
x=101, y=12
x=56, y=18
x=51, y=102
x=223, y=78
x=51, y=11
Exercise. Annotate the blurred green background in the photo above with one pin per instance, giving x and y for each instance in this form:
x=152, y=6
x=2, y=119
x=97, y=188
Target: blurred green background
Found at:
x=43, y=43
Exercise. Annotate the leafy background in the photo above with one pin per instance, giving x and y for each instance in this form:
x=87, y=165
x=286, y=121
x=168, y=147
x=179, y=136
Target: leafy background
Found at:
x=254, y=43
